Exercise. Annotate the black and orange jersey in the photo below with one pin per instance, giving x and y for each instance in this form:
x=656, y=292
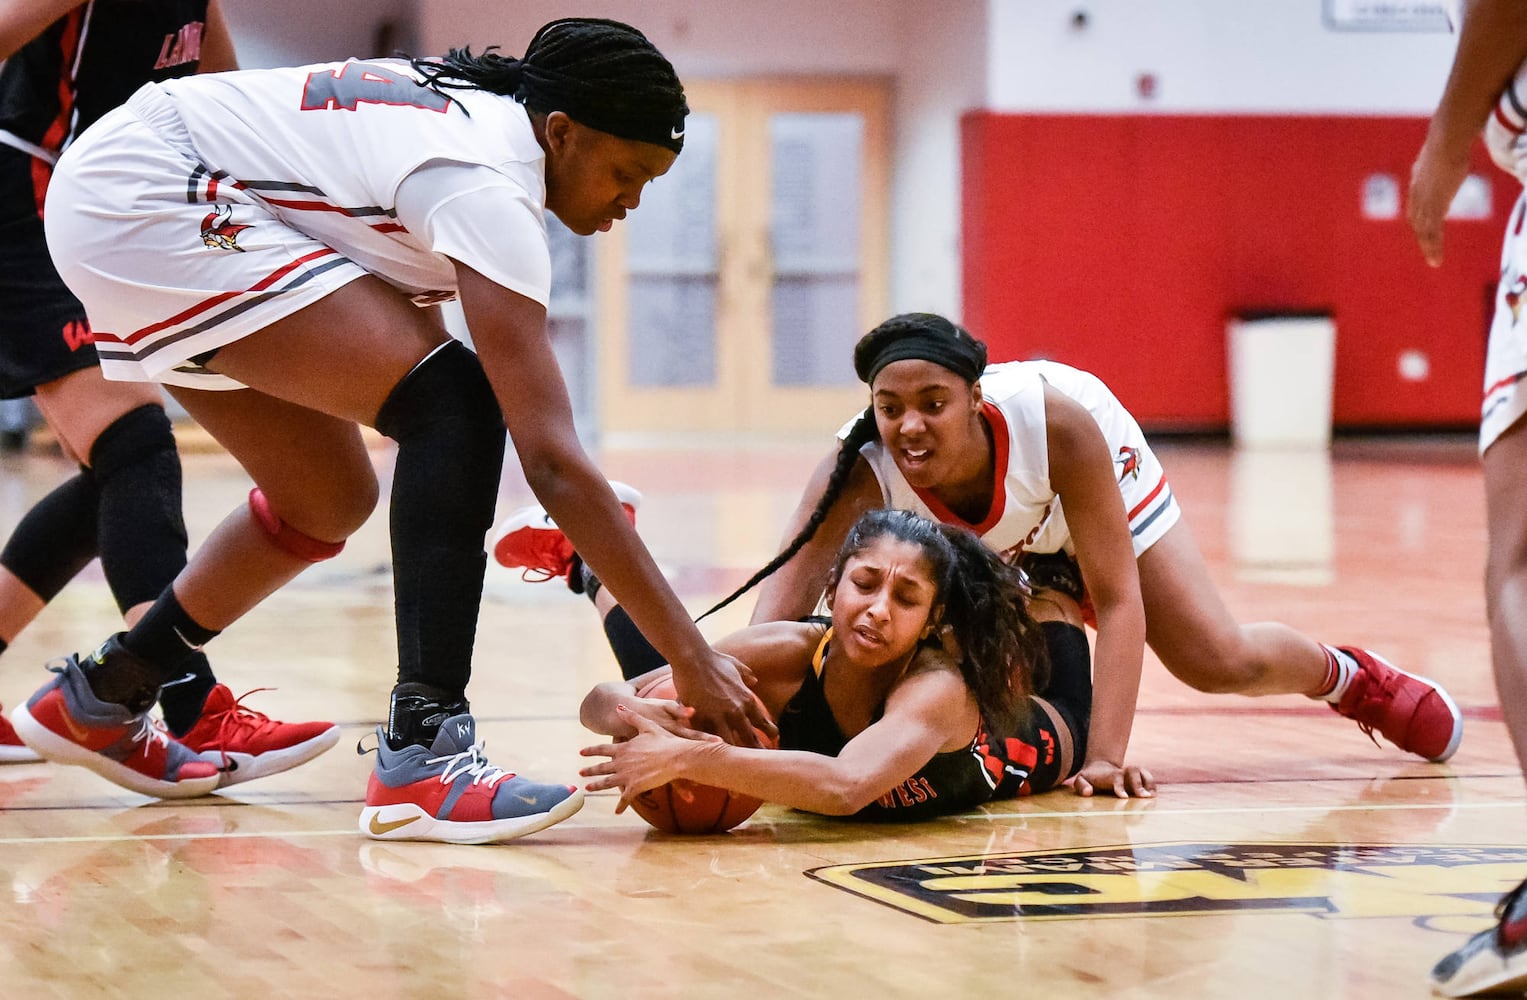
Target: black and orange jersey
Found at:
x=90, y=61
x=994, y=766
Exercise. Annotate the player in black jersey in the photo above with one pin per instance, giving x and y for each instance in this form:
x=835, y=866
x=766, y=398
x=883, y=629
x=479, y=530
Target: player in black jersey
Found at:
x=928, y=692
x=66, y=64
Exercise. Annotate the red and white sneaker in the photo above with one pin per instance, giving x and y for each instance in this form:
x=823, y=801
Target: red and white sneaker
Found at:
x=530, y=541
x=449, y=792
x=66, y=723
x=1411, y=712
x=12, y=750
x=244, y=744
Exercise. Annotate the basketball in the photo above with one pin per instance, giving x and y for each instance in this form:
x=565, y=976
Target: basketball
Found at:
x=683, y=806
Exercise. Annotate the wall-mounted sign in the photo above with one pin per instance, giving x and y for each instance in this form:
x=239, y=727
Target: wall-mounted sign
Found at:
x=1386, y=15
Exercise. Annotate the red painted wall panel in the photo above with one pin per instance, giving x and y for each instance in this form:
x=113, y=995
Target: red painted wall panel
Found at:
x=1123, y=244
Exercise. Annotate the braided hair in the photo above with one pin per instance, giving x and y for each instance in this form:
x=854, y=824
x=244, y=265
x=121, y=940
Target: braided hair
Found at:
x=602, y=74
x=983, y=601
x=926, y=336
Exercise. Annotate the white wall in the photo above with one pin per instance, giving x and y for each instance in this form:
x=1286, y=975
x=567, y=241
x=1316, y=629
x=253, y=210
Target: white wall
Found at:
x=941, y=73
x=293, y=32
x=1207, y=55
x=931, y=49
x=945, y=56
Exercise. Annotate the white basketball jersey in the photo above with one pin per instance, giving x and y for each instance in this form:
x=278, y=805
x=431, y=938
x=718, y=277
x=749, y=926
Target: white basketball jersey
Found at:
x=1026, y=514
x=326, y=147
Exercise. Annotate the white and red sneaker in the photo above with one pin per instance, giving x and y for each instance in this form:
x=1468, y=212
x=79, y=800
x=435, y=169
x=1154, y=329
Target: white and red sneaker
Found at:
x=67, y=724
x=1411, y=712
x=12, y=750
x=530, y=541
x=450, y=793
x=244, y=744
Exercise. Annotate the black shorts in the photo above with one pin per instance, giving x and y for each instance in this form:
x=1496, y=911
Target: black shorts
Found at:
x=43, y=333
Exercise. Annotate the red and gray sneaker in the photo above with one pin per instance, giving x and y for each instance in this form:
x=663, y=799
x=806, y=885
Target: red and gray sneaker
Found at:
x=66, y=723
x=530, y=541
x=12, y=750
x=1411, y=712
x=450, y=793
x=244, y=744
x=1492, y=961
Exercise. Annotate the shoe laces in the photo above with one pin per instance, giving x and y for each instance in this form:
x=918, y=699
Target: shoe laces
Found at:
x=240, y=716
x=544, y=555
x=1376, y=696
x=151, y=732
x=470, y=761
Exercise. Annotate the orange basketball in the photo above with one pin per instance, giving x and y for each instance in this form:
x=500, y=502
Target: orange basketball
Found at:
x=683, y=806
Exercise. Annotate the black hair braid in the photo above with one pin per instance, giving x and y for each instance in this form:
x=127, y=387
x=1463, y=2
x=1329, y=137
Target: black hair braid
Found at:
x=602, y=73
x=862, y=433
x=1003, y=649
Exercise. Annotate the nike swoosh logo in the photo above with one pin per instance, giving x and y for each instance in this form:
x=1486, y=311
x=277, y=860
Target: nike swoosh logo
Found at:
x=529, y=800
x=188, y=643
x=80, y=733
x=379, y=828
x=677, y=133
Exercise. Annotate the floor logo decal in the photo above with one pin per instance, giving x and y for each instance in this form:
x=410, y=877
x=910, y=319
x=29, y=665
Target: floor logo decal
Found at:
x=1185, y=879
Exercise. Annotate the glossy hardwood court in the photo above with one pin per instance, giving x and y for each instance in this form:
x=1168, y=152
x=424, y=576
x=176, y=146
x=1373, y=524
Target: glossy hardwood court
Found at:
x=1286, y=855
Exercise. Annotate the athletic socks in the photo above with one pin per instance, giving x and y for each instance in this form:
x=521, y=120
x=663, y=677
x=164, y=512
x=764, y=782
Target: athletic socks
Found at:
x=633, y=652
x=169, y=638
x=1340, y=667
x=182, y=700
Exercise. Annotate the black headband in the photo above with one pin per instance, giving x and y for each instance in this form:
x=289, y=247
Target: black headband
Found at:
x=921, y=337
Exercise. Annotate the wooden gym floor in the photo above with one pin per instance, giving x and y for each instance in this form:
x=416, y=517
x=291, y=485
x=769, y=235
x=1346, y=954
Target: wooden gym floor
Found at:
x=1286, y=855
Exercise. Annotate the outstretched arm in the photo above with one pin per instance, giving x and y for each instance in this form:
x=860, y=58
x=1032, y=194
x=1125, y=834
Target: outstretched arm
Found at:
x=1492, y=44
x=1081, y=473
x=925, y=714
x=509, y=331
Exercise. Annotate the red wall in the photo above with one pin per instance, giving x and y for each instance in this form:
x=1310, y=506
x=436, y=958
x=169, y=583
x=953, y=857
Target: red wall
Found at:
x=1123, y=244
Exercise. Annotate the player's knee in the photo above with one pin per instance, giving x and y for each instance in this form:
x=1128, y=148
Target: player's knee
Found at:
x=287, y=538
x=446, y=394
x=138, y=435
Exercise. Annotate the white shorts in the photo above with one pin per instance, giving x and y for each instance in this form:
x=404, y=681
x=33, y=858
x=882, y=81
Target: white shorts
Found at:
x=1506, y=359
x=171, y=259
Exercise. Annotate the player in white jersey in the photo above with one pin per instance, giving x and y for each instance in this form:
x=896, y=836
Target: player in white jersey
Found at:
x=257, y=241
x=1487, y=90
x=1044, y=464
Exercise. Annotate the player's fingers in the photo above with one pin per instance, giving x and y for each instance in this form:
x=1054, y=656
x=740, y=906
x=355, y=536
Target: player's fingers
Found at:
x=1144, y=785
x=601, y=784
x=740, y=731
x=1082, y=787
x=602, y=750
x=759, y=717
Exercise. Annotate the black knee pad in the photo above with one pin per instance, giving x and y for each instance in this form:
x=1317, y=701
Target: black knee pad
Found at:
x=142, y=534
x=132, y=437
x=447, y=387
x=56, y=538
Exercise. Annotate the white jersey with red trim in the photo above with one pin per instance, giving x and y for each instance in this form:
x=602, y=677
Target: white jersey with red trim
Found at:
x=326, y=147
x=1026, y=514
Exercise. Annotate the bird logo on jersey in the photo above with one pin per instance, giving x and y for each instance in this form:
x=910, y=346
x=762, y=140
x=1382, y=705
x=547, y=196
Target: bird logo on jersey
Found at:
x=219, y=232
x=1128, y=461
x=1514, y=292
